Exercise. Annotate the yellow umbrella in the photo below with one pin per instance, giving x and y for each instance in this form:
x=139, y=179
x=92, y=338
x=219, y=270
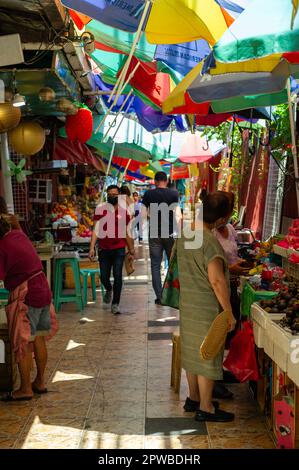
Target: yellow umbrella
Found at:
x=177, y=21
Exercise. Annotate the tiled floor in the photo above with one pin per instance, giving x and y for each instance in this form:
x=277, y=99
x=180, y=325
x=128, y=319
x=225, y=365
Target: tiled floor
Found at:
x=108, y=380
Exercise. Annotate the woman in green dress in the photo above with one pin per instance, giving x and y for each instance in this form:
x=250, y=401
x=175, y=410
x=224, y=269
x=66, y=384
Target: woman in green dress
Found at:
x=204, y=293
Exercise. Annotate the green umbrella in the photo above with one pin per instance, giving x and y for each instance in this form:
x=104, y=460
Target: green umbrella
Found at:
x=121, y=40
x=263, y=29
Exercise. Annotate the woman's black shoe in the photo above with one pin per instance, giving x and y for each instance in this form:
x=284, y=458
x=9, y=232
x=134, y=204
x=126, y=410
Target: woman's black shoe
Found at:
x=220, y=391
x=219, y=416
x=158, y=302
x=191, y=405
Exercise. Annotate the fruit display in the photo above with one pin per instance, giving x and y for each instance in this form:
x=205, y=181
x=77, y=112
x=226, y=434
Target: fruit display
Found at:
x=64, y=214
x=292, y=239
x=83, y=231
x=286, y=302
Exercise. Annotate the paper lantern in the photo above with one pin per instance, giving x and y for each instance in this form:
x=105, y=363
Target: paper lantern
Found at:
x=28, y=138
x=9, y=117
x=79, y=127
x=66, y=106
x=46, y=94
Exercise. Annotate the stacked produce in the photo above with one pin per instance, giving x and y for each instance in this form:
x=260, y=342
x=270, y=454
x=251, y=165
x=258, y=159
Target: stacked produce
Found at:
x=292, y=239
x=64, y=214
x=286, y=302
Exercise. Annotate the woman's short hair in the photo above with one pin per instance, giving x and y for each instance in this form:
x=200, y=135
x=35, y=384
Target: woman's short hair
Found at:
x=215, y=206
x=4, y=226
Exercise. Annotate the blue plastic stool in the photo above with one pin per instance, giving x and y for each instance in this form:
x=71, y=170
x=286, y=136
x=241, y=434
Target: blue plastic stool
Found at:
x=59, y=297
x=85, y=273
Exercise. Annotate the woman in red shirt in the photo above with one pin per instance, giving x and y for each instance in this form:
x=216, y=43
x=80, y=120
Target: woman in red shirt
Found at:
x=30, y=298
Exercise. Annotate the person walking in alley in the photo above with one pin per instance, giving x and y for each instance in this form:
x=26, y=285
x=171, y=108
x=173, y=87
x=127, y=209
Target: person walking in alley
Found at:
x=161, y=207
x=30, y=313
x=111, y=232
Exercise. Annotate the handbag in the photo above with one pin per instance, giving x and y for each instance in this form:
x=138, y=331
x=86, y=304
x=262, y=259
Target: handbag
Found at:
x=171, y=287
x=216, y=336
x=129, y=265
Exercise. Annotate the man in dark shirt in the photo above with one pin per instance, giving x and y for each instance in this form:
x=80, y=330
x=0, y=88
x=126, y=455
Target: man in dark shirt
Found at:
x=162, y=211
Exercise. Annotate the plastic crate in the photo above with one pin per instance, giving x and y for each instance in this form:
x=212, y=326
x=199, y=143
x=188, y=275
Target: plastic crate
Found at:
x=293, y=370
x=250, y=296
x=258, y=333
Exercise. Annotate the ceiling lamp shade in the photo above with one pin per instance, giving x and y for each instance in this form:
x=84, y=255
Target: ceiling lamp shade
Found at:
x=9, y=117
x=28, y=138
x=18, y=101
x=79, y=127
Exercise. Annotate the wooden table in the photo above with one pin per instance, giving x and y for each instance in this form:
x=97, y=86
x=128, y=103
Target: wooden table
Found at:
x=47, y=257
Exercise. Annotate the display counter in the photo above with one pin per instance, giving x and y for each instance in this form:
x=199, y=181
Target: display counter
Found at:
x=279, y=349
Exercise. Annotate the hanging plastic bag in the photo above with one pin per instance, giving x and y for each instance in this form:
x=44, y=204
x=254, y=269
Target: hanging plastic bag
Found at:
x=171, y=287
x=241, y=359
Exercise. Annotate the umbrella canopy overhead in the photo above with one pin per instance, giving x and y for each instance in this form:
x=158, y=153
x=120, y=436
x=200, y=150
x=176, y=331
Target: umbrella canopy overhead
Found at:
x=183, y=57
x=197, y=149
x=217, y=87
x=203, y=88
x=168, y=21
x=258, y=39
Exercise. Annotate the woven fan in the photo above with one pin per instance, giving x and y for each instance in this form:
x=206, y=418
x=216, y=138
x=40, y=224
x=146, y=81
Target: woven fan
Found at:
x=216, y=336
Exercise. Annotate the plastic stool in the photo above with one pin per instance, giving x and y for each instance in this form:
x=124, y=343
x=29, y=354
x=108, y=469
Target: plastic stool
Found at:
x=176, y=368
x=59, y=297
x=4, y=295
x=85, y=273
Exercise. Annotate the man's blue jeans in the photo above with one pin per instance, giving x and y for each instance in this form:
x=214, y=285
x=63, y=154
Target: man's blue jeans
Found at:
x=112, y=259
x=156, y=248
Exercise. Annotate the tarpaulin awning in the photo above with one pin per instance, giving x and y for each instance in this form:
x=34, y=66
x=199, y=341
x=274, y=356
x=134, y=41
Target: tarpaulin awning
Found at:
x=76, y=153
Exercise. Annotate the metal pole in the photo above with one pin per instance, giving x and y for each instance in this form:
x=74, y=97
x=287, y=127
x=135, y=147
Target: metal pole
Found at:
x=294, y=147
x=107, y=171
x=7, y=185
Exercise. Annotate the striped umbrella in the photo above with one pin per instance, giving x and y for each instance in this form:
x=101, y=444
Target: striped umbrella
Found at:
x=258, y=40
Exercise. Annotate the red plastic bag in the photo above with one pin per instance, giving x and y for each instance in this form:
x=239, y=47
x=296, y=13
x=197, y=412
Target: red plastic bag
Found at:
x=241, y=359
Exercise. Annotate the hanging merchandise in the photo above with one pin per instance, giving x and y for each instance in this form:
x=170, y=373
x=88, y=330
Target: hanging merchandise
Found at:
x=10, y=117
x=241, y=360
x=28, y=138
x=18, y=171
x=79, y=126
x=179, y=172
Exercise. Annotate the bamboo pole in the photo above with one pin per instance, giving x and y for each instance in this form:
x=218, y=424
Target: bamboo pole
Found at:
x=294, y=147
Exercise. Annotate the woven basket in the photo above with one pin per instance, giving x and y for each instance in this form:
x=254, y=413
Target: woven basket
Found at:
x=216, y=336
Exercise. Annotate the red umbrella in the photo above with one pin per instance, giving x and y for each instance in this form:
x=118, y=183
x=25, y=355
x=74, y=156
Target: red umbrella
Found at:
x=146, y=79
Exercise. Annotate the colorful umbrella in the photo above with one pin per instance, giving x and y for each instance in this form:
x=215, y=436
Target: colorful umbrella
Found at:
x=205, y=88
x=183, y=57
x=258, y=39
x=169, y=22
